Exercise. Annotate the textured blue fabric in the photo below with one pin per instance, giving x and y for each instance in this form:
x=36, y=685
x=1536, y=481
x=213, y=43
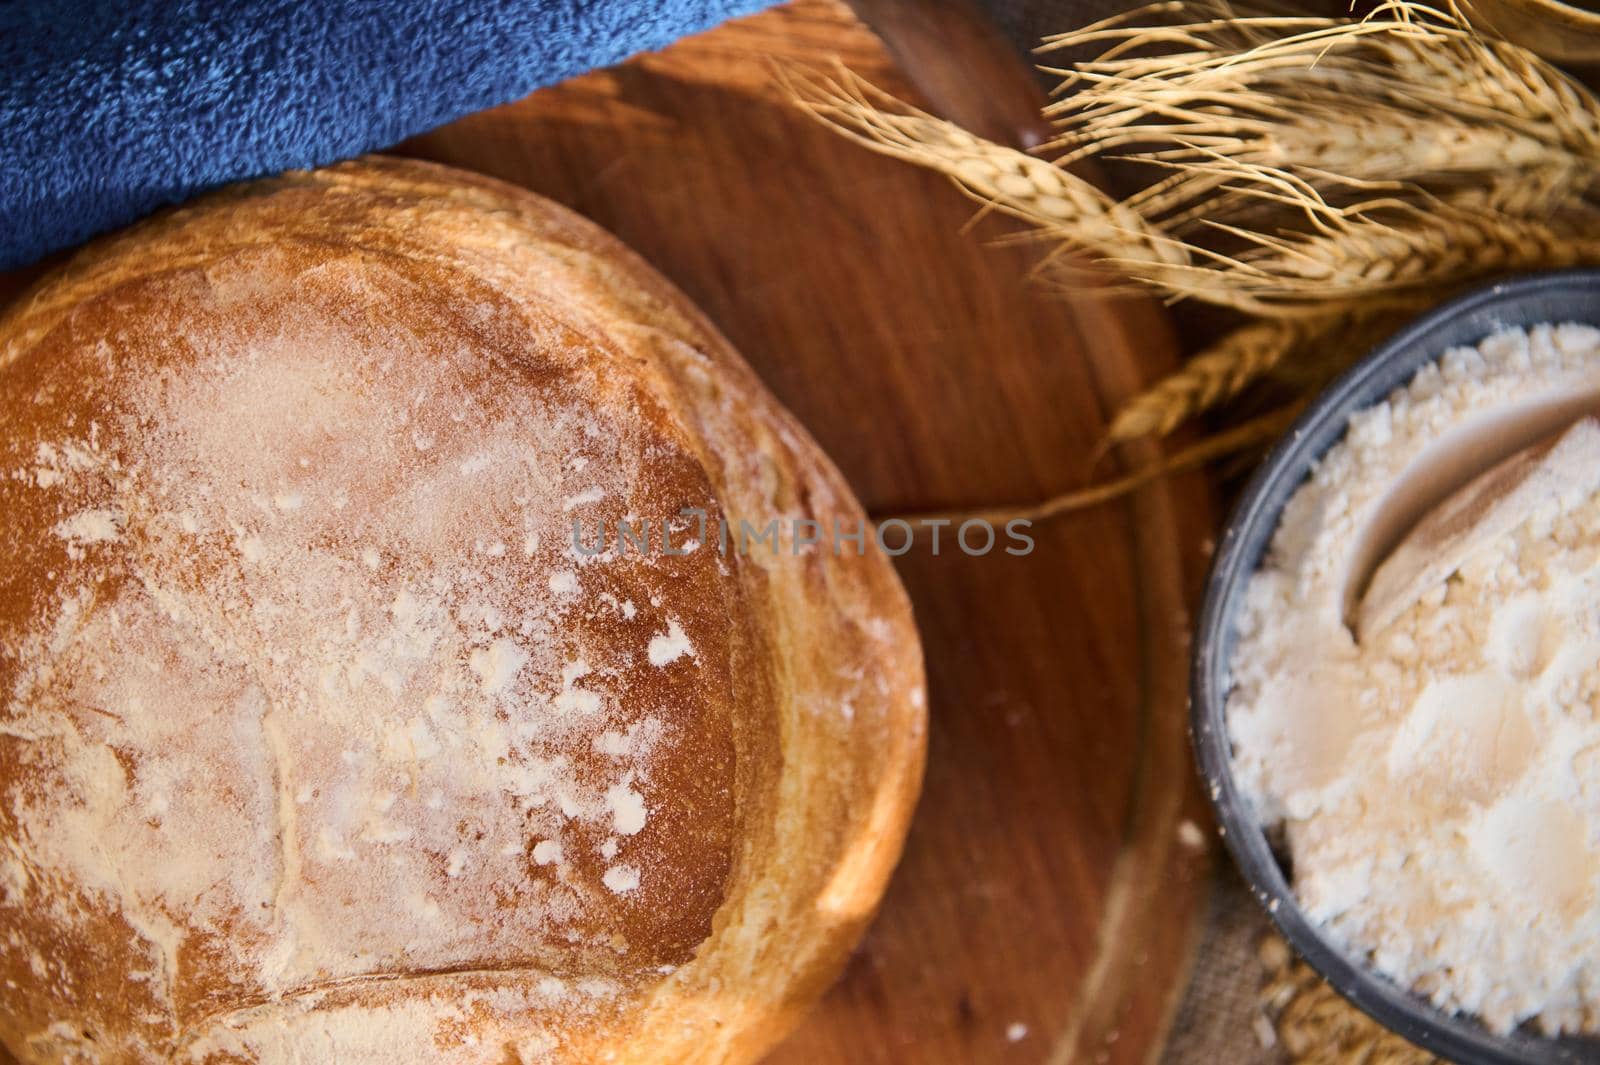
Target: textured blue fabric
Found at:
x=111, y=108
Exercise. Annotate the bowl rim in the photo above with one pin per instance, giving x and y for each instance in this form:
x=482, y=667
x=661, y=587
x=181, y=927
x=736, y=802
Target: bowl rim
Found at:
x=1240, y=548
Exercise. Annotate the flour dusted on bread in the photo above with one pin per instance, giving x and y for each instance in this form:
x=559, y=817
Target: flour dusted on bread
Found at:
x=314, y=542
x=319, y=737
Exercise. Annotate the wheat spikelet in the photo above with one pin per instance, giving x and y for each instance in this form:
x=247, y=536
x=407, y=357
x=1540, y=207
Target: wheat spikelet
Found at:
x=1372, y=145
x=1509, y=172
x=1379, y=147
x=1538, y=194
x=1365, y=255
x=1379, y=248
x=1458, y=68
x=1321, y=174
x=1211, y=377
x=1436, y=99
x=1256, y=112
x=1303, y=351
x=1063, y=205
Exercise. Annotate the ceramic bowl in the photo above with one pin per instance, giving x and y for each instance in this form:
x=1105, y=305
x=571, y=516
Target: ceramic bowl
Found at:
x=1567, y=296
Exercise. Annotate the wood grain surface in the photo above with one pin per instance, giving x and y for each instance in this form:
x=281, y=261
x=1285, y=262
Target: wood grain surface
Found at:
x=1047, y=905
x=1045, y=889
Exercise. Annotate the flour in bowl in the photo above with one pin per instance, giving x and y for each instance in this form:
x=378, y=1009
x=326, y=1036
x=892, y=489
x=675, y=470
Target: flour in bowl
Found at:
x=1438, y=783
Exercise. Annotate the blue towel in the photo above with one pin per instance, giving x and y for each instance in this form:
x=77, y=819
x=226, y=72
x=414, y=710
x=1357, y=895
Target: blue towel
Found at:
x=111, y=108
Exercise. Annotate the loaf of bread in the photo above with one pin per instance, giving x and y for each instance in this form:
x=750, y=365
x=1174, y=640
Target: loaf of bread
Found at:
x=330, y=734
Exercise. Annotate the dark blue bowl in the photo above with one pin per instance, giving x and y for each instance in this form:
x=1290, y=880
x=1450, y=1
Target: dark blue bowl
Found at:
x=1565, y=296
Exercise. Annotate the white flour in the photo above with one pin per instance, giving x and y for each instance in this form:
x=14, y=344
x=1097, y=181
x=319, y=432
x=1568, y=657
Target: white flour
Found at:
x=1439, y=788
x=326, y=695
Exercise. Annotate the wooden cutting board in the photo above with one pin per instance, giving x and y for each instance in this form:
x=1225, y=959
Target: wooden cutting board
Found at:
x=1045, y=888
x=1047, y=903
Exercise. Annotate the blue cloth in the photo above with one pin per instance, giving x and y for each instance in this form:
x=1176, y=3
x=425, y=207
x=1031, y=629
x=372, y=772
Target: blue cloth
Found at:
x=111, y=108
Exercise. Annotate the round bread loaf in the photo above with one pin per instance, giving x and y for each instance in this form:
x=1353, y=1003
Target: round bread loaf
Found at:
x=328, y=731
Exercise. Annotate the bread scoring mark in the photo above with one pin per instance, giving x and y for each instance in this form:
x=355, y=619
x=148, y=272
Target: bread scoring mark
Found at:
x=368, y=1008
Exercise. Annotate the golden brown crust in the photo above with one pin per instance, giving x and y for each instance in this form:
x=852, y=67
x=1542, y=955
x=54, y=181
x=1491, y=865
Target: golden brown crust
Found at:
x=320, y=739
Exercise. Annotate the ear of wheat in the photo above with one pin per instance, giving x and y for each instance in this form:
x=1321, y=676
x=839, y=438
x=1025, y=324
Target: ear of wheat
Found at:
x=1216, y=374
x=1320, y=175
x=1064, y=206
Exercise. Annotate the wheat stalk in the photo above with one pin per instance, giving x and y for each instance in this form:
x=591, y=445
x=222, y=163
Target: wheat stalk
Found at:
x=1539, y=194
x=1320, y=174
x=1367, y=147
x=1404, y=52
x=1303, y=352
x=1232, y=441
x=1457, y=68
x=1215, y=375
x=1471, y=166
x=1437, y=99
x=1360, y=254
x=1064, y=206
x=1384, y=248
